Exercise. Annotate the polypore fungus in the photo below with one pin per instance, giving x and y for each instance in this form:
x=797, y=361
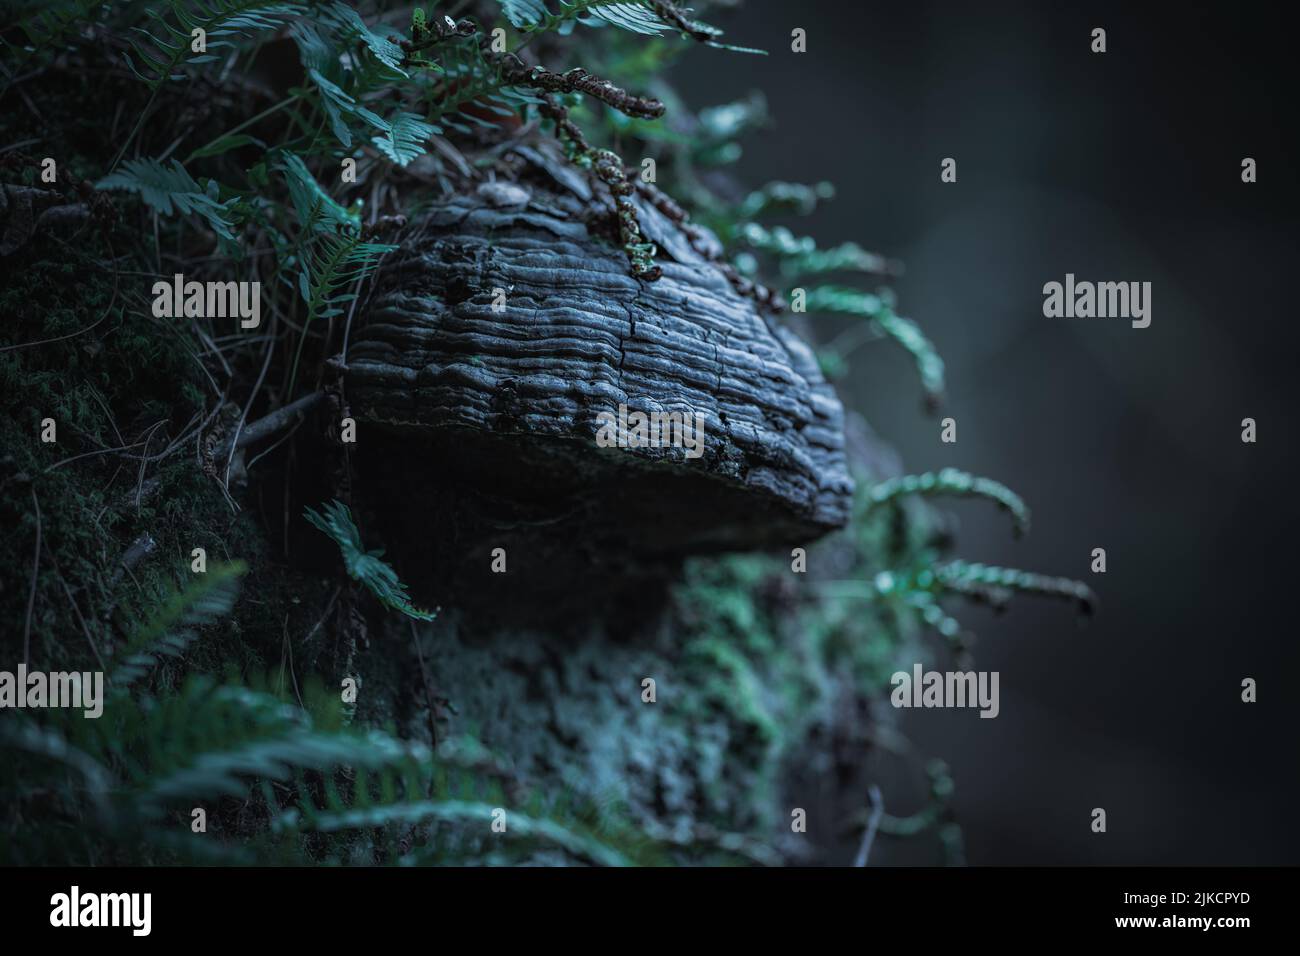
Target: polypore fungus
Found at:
x=508, y=349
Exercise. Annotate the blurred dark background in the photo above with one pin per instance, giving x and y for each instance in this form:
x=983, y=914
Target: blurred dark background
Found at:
x=1122, y=166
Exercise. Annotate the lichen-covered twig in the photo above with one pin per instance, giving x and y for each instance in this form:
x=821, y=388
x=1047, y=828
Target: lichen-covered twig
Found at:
x=707, y=249
x=516, y=73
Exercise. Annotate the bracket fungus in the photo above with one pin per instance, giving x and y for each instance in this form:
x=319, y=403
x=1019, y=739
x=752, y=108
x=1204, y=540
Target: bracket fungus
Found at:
x=507, y=338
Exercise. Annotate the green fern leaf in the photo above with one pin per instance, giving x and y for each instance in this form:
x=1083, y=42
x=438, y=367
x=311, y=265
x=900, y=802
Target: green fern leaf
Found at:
x=166, y=48
x=407, y=134
x=170, y=630
x=347, y=24
x=171, y=190
x=365, y=566
x=837, y=300
x=520, y=825
x=313, y=204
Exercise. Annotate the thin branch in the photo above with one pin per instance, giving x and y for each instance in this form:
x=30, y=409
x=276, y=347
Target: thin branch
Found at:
x=269, y=425
x=31, y=596
x=873, y=824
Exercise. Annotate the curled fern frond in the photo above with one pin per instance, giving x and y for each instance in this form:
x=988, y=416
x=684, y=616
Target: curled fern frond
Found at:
x=952, y=481
x=990, y=582
x=365, y=566
x=609, y=168
x=874, y=308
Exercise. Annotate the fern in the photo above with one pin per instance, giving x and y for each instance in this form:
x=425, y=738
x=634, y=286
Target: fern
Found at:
x=951, y=481
x=836, y=300
x=336, y=261
x=801, y=256
x=332, y=263
x=647, y=17
x=316, y=208
x=469, y=79
x=171, y=190
x=519, y=825
x=223, y=21
x=52, y=23
x=333, y=77
x=244, y=735
x=781, y=197
x=995, y=584
x=171, y=630
x=349, y=63
x=365, y=566
x=348, y=26
x=405, y=139
x=535, y=16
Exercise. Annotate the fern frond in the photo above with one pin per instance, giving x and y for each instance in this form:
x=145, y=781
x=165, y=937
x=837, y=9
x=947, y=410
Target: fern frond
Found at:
x=836, y=300
x=325, y=67
x=800, y=256
x=335, y=262
x=53, y=22
x=990, y=582
x=347, y=24
x=781, y=197
x=405, y=139
x=647, y=17
x=534, y=16
x=255, y=737
x=470, y=79
x=171, y=629
x=172, y=189
x=365, y=566
x=48, y=743
x=518, y=825
x=952, y=481
x=315, y=207
x=159, y=57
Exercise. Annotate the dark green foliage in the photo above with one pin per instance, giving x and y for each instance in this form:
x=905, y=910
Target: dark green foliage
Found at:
x=171, y=189
x=224, y=687
x=365, y=566
x=168, y=41
x=173, y=627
